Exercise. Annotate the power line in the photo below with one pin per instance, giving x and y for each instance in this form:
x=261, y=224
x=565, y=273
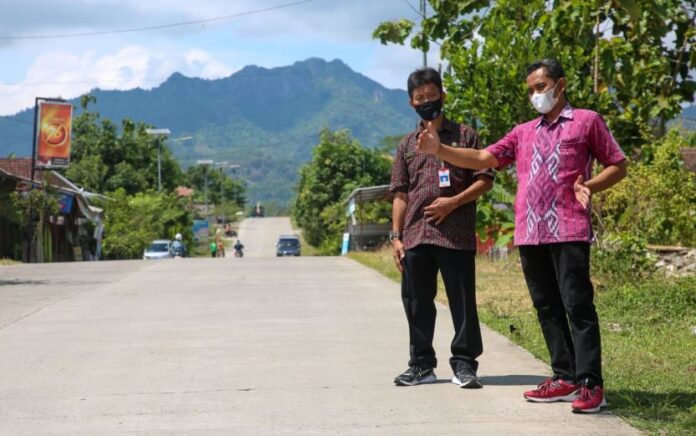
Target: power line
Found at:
x=158, y=27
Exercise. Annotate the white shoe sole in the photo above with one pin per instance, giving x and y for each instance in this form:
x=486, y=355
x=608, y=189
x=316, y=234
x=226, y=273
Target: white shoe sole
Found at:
x=568, y=399
x=595, y=410
x=458, y=382
x=432, y=378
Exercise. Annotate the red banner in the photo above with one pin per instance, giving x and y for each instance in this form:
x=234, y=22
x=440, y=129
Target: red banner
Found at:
x=54, y=131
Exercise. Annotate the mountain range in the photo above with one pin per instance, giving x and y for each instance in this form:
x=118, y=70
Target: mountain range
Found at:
x=267, y=121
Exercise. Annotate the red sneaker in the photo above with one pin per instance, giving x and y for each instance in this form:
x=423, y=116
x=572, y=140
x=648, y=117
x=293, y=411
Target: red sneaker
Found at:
x=589, y=400
x=553, y=390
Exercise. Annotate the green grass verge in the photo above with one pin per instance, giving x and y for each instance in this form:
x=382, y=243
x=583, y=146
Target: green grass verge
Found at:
x=649, y=349
x=8, y=262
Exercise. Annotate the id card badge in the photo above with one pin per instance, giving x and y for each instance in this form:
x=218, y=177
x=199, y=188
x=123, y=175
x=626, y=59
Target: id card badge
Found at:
x=444, y=176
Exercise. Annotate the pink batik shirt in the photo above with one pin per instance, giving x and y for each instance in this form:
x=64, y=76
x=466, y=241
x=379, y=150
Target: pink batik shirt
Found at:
x=549, y=158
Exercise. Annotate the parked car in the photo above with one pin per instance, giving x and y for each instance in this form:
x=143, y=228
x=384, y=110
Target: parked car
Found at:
x=158, y=249
x=288, y=245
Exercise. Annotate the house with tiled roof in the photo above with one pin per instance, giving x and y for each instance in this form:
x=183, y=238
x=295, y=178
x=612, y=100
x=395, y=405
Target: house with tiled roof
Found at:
x=74, y=233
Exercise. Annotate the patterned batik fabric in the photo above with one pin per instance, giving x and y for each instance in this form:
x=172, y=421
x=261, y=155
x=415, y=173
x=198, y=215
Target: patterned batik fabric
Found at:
x=416, y=174
x=549, y=157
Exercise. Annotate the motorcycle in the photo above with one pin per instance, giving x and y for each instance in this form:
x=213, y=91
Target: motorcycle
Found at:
x=239, y=252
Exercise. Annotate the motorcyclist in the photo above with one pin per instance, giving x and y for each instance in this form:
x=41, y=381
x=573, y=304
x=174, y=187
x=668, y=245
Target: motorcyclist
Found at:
x=178, y=247
x=238, y=248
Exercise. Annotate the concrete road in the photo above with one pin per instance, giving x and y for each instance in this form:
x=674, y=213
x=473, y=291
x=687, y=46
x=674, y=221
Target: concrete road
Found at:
x=259, y=235
x=252, y=346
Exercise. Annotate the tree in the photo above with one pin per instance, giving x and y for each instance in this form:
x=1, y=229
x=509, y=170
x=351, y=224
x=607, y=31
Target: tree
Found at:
x=104, y=159
x=629, y=60
x=664, y=211
x=134, y=221
x=339, y=164
x=222, y=188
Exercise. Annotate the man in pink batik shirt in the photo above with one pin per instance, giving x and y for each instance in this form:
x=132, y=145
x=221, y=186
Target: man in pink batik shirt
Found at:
x=553, y=228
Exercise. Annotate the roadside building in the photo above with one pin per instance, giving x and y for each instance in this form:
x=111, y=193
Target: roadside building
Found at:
x=74, y=233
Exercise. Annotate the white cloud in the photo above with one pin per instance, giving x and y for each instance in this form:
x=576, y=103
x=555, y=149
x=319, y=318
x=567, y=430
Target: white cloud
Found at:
x=202, y=64
x=130, y=67
x=323, y=28
x=391, y=64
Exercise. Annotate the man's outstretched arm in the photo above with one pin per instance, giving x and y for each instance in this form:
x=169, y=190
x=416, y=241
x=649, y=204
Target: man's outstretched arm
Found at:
x=429, y=142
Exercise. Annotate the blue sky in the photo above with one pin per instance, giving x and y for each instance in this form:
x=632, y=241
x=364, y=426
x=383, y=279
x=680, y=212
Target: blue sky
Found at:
x=68, y=67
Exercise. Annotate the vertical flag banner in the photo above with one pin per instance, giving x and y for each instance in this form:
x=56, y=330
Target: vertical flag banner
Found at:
x=53, y=134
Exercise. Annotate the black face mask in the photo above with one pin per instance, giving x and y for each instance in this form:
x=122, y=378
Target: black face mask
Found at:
x=430, y=110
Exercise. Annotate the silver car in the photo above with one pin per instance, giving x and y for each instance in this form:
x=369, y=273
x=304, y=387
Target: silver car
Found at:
x=158, y=249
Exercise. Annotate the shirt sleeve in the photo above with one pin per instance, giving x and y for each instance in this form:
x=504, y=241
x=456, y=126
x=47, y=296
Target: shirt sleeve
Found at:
x=504, y=150
x=603, y=146
x=399, y=177
x=474, y=141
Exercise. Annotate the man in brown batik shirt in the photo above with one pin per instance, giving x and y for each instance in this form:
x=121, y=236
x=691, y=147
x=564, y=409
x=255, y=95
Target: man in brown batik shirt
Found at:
x=433, y=229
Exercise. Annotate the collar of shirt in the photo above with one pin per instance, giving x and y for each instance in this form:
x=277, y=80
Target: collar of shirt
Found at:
x=567, y=113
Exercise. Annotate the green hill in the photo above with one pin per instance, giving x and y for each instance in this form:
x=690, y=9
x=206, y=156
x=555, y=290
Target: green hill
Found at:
x=265, y=120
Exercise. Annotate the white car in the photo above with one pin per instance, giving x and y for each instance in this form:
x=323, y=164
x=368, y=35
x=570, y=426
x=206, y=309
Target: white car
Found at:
x=158, y=249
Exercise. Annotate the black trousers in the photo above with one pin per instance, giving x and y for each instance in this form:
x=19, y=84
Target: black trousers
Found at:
x=558, y=278
x=418, y=290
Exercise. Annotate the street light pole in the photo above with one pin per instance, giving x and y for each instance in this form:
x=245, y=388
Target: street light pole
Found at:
x=158, y=133
x=205, y=163
x=159, y=165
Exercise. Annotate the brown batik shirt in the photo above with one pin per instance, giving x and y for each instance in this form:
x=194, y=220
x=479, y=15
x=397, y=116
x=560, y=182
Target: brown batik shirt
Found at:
x=416, y=174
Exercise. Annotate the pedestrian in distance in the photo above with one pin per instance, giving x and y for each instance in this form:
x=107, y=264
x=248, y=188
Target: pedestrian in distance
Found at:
x=213, y=248
x=433, y=222
x=553, y=227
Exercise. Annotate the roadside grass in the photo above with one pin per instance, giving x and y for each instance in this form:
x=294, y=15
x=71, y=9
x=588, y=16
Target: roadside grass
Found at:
x=4, y=261
x=649, y=348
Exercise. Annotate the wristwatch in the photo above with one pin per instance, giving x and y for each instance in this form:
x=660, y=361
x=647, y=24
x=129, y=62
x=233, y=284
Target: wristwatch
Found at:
x=394, y=235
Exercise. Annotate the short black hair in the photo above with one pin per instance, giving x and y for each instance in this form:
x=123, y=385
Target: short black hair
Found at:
x=554, y=69
x=423, y=76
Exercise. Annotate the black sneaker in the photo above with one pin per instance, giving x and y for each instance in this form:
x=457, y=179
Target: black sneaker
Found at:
x=415, y=375
x=466, y=378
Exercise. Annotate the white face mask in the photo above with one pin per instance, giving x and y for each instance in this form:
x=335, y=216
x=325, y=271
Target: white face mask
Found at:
x=543, y=102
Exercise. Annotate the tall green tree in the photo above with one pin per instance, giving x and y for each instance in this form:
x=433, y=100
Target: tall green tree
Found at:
x=630, y=60
x=222, y=187
x=339, y=165
x=105, y=158
x=134, y=221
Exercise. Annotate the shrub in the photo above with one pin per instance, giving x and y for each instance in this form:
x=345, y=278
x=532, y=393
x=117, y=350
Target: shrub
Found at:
x=656, y=201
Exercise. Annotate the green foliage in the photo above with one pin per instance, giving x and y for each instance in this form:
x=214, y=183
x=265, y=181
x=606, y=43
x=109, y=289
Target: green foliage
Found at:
x=105, y=159
x=640, y=56
x=133, y=221
x=656, y=201
x=393, y=31
x=339, y=165
x=629, y=61
x=35, y=204
x=622, y=256
x=222, y=188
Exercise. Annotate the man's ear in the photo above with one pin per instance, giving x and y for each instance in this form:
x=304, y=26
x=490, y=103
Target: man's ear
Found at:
x=560, y=86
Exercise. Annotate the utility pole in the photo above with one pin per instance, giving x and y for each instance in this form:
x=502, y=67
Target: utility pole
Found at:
x=206, y=163
x=423, y=4
x=158, y=134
